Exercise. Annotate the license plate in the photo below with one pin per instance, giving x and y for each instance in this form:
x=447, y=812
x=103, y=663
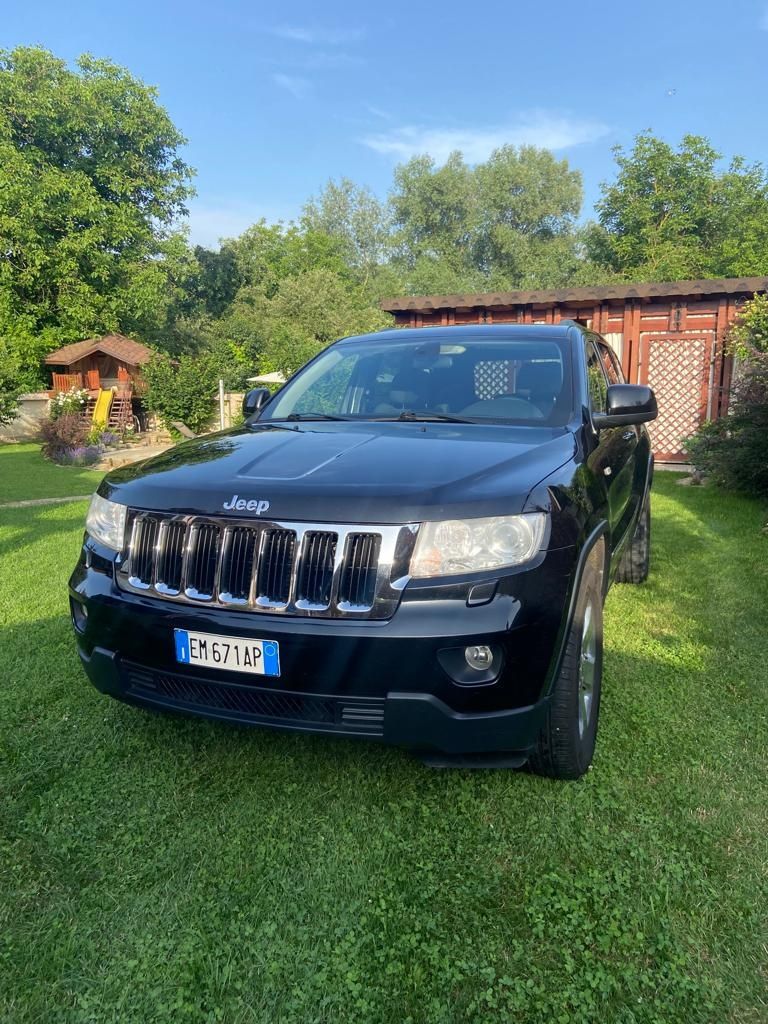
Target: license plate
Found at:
x=235, y=653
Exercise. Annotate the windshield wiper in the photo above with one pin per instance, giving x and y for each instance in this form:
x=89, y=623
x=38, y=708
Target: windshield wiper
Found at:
x=409, y=416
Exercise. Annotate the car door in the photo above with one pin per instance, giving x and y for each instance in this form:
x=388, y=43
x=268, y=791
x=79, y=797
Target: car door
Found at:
x=614, y=456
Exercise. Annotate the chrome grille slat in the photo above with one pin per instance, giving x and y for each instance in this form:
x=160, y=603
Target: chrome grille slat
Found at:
x=202, y=564
x=358, y=581
x=170, y=557
x=143, y=551
x=276, y=563
x=236, y=564
x=325, y=570
x=315, y=573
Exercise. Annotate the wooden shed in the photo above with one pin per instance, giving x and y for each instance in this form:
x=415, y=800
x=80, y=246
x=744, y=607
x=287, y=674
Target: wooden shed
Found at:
x=111, y=361
x=670, y=335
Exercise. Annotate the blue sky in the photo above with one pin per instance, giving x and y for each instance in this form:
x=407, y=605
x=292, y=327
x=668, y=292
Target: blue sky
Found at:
x=277, y=98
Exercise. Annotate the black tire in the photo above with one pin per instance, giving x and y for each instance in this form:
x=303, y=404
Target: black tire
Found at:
x=566, y=743
x=636, y=560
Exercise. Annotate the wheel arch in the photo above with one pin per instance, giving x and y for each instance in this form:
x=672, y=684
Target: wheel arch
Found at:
x=594, y=558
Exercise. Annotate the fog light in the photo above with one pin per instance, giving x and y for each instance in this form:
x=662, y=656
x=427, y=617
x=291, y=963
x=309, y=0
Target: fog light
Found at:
x=79, y=615
x=479, y=658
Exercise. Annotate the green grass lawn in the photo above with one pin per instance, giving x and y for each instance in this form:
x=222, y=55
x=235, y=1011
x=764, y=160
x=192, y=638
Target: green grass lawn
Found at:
x=157, y=869
x=24, y=473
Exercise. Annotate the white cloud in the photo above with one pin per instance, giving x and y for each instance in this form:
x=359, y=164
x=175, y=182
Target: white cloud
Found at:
x=548, y=131
x=297, y=87
x=210, y=221
x=317, y=36
x=378, y=112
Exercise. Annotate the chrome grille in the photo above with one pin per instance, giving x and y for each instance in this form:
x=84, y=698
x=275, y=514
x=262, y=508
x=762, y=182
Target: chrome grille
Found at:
x=269, y=567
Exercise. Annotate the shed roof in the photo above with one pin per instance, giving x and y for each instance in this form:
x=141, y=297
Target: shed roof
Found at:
x=126, y=350
x=596, y=293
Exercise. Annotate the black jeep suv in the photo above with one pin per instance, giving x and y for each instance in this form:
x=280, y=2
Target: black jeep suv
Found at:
x=411, y=541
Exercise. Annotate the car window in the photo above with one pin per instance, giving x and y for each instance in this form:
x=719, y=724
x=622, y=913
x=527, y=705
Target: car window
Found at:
x=596, y=379
x=610, y=364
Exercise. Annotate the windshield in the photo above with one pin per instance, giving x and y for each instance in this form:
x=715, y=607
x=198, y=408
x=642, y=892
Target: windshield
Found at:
x=498, y=380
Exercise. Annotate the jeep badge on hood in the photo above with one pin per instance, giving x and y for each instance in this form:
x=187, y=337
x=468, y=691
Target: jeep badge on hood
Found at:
x=246, y=505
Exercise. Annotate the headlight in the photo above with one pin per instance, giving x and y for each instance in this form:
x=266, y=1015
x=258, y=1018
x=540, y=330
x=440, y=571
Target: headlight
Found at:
x=106, y=522
x=468, y=545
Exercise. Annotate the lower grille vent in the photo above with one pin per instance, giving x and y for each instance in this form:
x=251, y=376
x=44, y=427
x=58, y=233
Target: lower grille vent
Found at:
x=336, y=713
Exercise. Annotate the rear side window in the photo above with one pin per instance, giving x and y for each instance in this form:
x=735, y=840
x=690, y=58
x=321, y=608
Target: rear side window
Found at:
x=610, y=364
x=596, y=379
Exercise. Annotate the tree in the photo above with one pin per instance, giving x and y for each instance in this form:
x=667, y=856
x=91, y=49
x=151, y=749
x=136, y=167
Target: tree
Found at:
x=528, y=200
x=672, y=214
x=9, y=384
x=265, y=254
x=306, y=312
x=749, y=334
x=351, y=214
x=91, y=183
x=215, y=285
x=434, y=210
x=508, y=222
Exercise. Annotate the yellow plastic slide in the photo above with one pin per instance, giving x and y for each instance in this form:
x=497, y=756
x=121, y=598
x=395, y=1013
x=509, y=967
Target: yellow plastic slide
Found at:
x=102, y=407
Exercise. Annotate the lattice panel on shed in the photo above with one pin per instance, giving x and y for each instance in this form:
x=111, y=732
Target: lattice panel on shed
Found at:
x=492, y=377
x=677, y=373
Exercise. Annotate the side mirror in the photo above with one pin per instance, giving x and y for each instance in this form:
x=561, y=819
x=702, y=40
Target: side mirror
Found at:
x=254, y=401
x=627, y=404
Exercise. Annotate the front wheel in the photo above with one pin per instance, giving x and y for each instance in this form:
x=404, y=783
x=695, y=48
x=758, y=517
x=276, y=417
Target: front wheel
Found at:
x=566, y=743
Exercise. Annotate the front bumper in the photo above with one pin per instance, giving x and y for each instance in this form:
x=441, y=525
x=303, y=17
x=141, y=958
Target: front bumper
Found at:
x=392, y=680
x=415, y=720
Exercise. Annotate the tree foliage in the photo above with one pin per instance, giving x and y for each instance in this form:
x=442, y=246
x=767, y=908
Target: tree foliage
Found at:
x=673, y=214
x=10, y=386
x=359, y=221
x=749, y=334
x=505, y=223
x=90, y=185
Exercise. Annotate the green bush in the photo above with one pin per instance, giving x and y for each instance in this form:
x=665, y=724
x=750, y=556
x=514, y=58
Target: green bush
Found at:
x=733, y=451
x=182, y=389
